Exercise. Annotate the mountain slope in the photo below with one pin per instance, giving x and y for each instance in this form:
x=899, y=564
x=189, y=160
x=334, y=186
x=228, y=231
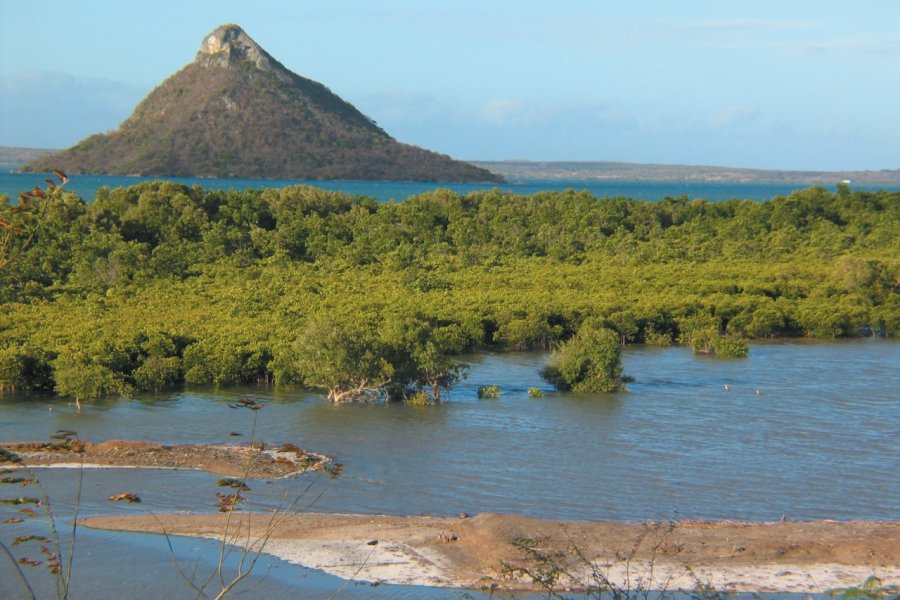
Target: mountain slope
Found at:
x=237, y=112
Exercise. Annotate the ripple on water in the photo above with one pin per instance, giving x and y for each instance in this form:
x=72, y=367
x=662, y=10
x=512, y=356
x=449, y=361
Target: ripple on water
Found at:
x=817, y=442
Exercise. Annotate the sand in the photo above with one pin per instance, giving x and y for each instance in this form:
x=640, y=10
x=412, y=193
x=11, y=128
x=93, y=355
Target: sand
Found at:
x=498, y=551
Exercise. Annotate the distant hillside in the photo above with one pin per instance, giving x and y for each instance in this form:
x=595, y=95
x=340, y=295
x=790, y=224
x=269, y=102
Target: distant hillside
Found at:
x=575, y=170
x=15, y=157
x=237, y=112
x=649, y=172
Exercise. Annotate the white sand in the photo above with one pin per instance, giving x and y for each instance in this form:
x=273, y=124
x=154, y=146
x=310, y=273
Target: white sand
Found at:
x=816, y=578
x=387, y=562
x=400, y=563
x=469, y=552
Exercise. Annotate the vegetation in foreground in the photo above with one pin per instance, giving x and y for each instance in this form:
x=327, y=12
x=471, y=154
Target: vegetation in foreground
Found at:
x=159, y=284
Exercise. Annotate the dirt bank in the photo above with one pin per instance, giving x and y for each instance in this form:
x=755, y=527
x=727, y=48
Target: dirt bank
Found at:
x=227, y=460
x=499, y=550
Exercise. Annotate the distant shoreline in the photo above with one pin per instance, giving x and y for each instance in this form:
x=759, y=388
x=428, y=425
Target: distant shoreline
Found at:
x=14, y=157
x=610, y=170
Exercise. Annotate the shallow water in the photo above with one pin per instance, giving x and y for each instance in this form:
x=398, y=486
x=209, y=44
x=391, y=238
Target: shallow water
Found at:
x=817, y=442
x=110, y=564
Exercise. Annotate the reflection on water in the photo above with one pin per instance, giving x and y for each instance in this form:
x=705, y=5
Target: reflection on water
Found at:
x=817, y=441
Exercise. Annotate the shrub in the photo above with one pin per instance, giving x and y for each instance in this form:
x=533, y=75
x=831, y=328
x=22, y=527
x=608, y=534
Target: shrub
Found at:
x=157, y=373
x=589, y=362
x=703, y=334
x=657, y=339
x=25, y=368
x=489, y=392
x=419, y=398
x=725, y=346
x=79, y=376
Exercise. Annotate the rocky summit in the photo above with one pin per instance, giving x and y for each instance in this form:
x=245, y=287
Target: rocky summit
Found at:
x=235, y=111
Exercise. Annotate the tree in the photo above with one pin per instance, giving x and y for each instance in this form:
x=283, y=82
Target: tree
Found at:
x=419, y=352
x=79, y=375
x=19, y=224
x=24, y=368
x=589, y=362
x=702, y=332
x=345, y=358
x=435, y=371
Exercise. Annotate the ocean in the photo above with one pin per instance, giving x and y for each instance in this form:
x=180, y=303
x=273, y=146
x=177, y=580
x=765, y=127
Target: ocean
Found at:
x=86, y=186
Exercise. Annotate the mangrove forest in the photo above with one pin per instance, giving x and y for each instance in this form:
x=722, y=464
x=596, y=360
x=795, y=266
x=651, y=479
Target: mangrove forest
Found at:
x=160, y=284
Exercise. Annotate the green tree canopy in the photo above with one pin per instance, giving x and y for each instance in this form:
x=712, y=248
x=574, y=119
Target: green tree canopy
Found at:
x=591, y=361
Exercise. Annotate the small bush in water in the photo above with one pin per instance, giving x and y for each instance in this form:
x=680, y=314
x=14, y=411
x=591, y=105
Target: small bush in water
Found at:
x=420, y=398
x=489, y=391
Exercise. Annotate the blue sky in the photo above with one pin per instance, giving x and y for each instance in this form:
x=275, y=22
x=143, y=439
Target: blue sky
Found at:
x=766, y=84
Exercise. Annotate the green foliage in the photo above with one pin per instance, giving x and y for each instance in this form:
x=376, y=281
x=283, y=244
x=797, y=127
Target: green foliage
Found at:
x=534, y=392
x=84, y=374
x=655, y=338
x=589, y=362
x=343, y=358
x=725, y=346
x=160, y=284
x=489, y=392
x=419, y=399
x=418, y=350
x=158, y=373
x=25, y=368
x=219, y=360
x=702, y=333
x=872, y=589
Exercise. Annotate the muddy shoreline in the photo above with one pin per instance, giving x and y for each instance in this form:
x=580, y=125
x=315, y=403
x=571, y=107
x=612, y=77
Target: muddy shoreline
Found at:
x=231, y=460
x=499, y=551
x=492, y=551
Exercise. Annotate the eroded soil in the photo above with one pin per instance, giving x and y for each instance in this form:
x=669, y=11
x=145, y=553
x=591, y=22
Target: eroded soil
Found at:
x=227, y=460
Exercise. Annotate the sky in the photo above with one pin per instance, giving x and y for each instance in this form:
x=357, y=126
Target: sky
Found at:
x=760, y=84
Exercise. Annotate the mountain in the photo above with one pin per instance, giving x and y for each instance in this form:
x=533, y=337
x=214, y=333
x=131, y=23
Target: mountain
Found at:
x=237, y=112
x=11, y=156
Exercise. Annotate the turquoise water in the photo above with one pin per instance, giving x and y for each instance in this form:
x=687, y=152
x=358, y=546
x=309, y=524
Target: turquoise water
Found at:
x=86, y=186
x=819, y=441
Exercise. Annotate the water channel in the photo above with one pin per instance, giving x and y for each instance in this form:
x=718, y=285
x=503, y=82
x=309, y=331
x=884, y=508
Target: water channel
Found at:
x=804, y=430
